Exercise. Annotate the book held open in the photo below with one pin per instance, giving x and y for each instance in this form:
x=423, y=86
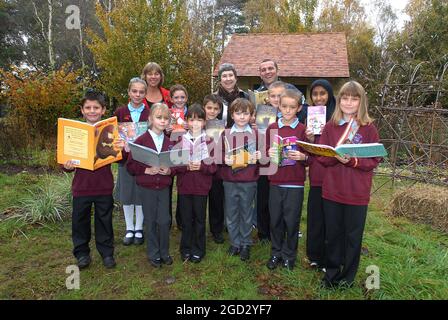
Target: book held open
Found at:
x=168, y=159
x=361, y=150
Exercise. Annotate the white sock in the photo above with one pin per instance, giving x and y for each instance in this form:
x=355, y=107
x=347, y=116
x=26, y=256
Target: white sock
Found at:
x=138, y=220
x=129, y=218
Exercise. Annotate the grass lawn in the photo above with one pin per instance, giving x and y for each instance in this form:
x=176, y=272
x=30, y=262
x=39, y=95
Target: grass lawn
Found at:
x=411, y=258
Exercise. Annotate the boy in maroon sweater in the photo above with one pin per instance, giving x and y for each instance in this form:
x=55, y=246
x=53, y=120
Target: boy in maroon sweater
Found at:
x=93, y=187
x=286, y=185
x=193, y=185
x=346, y=185
x=240, y=184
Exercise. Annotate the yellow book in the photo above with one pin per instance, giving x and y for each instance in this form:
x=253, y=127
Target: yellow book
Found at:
x=88, y=146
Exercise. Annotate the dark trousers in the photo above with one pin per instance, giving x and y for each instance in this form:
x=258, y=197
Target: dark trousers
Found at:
x=315, y=235
x=285, y=208
x=216, y=207
x=81, y=229
x=193, y=214
x=263, y=217
x=344, y=227
x=157, y=221
x=178, y=217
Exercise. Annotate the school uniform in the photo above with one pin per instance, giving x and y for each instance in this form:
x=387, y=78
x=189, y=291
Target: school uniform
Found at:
x=239, y=188
x=346, y=194
x=154, y=192
x=193, y=188
x=286, y=195
x=92, y=188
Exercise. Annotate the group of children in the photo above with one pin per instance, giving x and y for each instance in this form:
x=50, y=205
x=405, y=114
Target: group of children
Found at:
x=337, y=202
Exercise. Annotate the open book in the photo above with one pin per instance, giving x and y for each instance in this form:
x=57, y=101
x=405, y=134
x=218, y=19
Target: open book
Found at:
x=150, y=157
x=241, y=155
x=316, y=118
x=362, y=150
x=130, y=131
x=198, y=149
x=88, y=146
x=258, y=97
x=283, y=146
x=265, y=116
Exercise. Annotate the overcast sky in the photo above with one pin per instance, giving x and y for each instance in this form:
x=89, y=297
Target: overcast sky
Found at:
x=398, y=5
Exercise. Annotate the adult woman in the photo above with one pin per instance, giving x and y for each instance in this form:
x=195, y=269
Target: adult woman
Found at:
x=228, y=90
x=153, y=75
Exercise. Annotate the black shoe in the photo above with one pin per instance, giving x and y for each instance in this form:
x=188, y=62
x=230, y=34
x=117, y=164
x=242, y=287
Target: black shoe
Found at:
x=84, y=262
x=139, y=240
x=195, y=259
x=128, y=240
x=324, y=283
x=185, y=257
x=156, y=263
x=273, y=262
x=233, y=251
x=168, y=260
x=218, y=238
x=289, y=264
x=109, y=262
x=245, y=253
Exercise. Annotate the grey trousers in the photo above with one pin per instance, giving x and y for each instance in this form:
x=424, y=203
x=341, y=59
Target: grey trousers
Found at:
x=157, y=221
x=238, y=200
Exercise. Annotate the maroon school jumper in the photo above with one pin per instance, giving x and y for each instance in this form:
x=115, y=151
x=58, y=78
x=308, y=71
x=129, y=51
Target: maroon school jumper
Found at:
x=287, y=175
x=345, y=183
x=86, y=183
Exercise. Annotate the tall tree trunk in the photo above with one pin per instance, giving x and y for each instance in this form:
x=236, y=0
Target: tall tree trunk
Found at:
x=48, y=36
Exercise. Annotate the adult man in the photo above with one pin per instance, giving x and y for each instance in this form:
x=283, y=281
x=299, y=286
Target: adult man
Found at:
x=269, y=74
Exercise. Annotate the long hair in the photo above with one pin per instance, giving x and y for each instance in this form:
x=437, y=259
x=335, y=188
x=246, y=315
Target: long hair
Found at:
x=354, y=89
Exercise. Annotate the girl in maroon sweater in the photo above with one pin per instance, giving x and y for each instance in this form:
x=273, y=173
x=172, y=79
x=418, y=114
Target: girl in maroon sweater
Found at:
x=126, y=188
x=346, y=185
x=153, y=185
x=193, y=185
x=321, y=95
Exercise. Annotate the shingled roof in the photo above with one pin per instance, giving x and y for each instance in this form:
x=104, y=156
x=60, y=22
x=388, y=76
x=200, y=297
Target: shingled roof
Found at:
x=310, y=55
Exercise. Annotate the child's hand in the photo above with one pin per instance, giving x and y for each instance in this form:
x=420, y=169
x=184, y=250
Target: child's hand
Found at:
x=152, y=171
x=169, y=128
x=254, y=157
x=273, y=153
x=194, y=166
x=119, y=144
x=296, y=155
x=228, y=160
x=164, y=171
x=345, y=159
x=309, y=135
x=254, y=125
x=126, y=147
x=69, y=165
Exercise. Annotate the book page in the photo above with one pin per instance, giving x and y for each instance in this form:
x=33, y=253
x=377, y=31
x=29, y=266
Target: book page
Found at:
x=318, y=149
x=265, y=116
x=106, y=133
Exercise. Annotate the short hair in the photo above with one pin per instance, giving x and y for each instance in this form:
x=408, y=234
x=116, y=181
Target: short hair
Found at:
x=163, y=108
x=355, y=89
x=226, y=67
x=178, y=87
x=93, y=95
x=151, y=67
x=293, y=94
x=214, y=98
x=195, y=111
x=277, y=84
x=242, y=104
x=137, y=80
x=269, y=59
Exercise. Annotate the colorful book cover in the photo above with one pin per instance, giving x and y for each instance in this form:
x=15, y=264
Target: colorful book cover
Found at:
x=198, y=149
x=284, y=145
x=214, y=128
x=258, y=97
x=177, y=119
x=361, y=150
x=316, y=118
x=150, y=157
x=88, y=146
x=130, y=131
x=241, y=155
x=265, y=116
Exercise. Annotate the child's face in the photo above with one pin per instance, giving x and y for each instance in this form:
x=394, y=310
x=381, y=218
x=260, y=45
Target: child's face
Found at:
x=137, y=93
x=92, y=111
x=350, y=105
x=179, y=99
x=289, y=108
x=211, y=110
x=319, y=96
x=195, y=124
x=159, y=121
x=274, y=96
x=241, y=118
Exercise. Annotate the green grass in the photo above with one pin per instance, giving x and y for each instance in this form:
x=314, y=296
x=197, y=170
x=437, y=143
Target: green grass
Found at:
x=412, y=259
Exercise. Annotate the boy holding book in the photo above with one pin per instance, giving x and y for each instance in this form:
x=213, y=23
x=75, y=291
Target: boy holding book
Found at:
x=93, y=188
